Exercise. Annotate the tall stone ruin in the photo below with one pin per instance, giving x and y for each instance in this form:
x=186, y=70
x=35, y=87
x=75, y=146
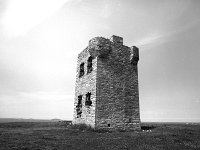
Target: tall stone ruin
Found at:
x=106, y=92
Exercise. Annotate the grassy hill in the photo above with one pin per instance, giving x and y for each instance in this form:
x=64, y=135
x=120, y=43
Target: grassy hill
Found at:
x=62, y=135
x=4, y=120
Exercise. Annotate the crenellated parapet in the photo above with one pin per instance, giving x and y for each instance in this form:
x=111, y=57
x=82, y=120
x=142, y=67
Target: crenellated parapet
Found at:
x=101, y=47
x=116, y=40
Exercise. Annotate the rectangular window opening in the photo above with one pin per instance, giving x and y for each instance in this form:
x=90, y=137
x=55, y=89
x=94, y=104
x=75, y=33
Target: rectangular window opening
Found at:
x=79, y=107
x=88, y=101
x=81, y=71
x=89, y=65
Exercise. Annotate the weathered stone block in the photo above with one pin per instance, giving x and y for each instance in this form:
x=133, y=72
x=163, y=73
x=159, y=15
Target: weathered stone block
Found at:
x=134, y=57
x=99, y=46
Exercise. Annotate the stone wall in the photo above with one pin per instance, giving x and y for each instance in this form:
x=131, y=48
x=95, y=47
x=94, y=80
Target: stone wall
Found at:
x=85, y=84
x=117, y=89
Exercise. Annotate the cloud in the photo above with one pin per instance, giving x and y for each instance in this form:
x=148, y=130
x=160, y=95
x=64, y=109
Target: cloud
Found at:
x=40, y=104
x=155, y=38
x=110, y=7
x=147, y=40
x=197, y=100
x=105, y=13
x=57, y=95
x=22, y=15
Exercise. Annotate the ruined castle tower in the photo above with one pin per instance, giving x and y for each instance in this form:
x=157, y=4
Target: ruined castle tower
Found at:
x=106, y=94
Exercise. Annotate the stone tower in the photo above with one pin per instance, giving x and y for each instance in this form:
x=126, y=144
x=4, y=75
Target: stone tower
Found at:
x=106, y=93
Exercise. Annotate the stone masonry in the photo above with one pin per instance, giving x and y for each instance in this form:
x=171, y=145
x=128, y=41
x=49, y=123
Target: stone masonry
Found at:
x=106, y=93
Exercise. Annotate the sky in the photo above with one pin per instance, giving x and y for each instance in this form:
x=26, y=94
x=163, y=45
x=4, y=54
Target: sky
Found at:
x=40, y=41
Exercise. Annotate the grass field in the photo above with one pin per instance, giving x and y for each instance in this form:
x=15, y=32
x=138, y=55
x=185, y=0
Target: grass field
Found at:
x=61, y=135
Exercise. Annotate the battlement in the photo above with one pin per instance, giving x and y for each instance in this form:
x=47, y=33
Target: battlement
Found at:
x=117, y=40
x=134, y=57
x=100, y=46
x=101, y=40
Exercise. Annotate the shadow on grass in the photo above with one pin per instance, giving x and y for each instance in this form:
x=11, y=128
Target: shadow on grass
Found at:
x=147, y=127
x=81, y=127
x=85, y=127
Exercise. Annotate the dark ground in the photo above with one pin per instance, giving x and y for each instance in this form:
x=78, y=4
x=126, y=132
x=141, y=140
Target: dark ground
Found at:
x=61, y=135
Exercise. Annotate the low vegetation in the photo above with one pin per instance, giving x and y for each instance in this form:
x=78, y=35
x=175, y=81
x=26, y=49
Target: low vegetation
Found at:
x=63, y=135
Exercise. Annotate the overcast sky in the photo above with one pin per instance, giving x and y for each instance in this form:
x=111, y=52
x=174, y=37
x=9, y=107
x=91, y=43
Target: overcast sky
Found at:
x=40, y=41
